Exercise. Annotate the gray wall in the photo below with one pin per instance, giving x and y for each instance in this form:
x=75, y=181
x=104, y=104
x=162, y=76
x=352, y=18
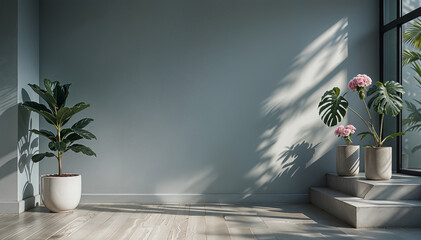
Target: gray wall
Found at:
x=19, y=65
x=8, y=100
x=28, y=72
x=206, y=97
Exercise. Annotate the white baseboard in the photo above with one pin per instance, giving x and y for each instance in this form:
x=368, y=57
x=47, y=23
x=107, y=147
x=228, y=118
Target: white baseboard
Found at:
x=194, y=198
x=20, y=206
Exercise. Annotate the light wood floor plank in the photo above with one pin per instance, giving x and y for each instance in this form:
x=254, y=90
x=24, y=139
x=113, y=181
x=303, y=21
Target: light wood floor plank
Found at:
x=160, y=232
x=196, y=227
x=241, y=234
x=216, y=227
x=67, y=231
x=179, y=227
x=18, y=225
x=141, y=233
x=153, y=217
x=191, y=222
x=51, y=229
x=106, y=230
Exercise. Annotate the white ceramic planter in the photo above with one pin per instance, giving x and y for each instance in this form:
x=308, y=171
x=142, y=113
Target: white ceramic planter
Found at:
x=378, y=163
x=347, y=160
x=61, y=194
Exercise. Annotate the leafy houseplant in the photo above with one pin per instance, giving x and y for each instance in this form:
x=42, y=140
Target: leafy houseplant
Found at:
x=384, y=98
x=57, y=114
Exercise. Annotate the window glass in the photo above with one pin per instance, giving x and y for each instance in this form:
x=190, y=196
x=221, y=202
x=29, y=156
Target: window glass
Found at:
x=390, y=73
x=410, y=5
x=411, y=80
x=389, y=10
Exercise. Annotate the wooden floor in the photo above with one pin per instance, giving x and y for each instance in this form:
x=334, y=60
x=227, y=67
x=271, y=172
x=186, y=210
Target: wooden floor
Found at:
x=211, y=221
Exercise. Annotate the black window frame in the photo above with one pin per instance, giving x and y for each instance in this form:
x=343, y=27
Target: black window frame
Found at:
x=396, y=23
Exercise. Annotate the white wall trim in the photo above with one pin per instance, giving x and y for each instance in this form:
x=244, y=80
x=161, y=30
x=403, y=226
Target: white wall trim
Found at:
x=194, y=198
x=20, y=206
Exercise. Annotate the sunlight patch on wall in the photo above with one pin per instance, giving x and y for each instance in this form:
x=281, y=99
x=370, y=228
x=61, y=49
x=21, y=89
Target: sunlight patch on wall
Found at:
x=296, y=137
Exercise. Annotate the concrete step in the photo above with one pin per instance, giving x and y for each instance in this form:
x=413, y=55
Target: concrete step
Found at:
x=400, y=187
x=363, y=213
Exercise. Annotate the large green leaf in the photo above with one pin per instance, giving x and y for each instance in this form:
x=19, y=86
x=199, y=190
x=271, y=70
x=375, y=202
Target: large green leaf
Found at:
x=60, y=146
x=414, y=116
x=392, y=136
x=44, y=133
x=409, y=56
x=52, y=146
x=416, y=148
x=83, y=133
x=64, y=132
x=417, y=69
x=38, y=157
x=65, y=113
x=385, y=97
x=72, y=137
x=412, y=34
x=49, y=86
x=48, y=98
x=82, y=123
x=81, y=148
x=365, y=134
x=414, y=127
x=40, y=109
x=332, y=107
x=57, y=146
x=60, y=93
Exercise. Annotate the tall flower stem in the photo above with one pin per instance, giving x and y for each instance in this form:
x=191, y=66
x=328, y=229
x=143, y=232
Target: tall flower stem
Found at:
x=373, y=130
x=362, y=119
x=381, y=131
x=375, y=137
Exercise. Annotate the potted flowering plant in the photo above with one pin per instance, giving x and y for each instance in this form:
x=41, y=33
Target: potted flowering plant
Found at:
x=60, y=192
x=384, y=98
x=347, y=156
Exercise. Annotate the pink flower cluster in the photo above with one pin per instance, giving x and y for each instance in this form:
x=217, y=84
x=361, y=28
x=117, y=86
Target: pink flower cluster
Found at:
x=361, y=80
x=345, y=131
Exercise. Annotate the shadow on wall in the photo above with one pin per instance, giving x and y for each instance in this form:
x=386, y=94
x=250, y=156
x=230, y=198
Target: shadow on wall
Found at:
x=8, y=109
x=295, y=138
x=27, y=146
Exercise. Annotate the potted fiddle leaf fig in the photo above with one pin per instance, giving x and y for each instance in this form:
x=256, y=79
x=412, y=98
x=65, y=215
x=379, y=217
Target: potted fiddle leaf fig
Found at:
x=60, y=192
x=384, y=98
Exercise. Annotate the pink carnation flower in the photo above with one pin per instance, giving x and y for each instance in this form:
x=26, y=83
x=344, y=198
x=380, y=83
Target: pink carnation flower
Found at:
x=346, y=132
x=352, y=86
x=361, y=80
x=339, y=131
x=351, y=128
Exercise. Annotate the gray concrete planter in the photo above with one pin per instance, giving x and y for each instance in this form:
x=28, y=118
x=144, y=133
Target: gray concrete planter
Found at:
x=347, y=160
x=378, y=163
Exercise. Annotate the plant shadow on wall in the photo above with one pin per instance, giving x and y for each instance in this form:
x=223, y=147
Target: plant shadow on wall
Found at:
x=8, y=108
x=28, y=145
x=293, y=146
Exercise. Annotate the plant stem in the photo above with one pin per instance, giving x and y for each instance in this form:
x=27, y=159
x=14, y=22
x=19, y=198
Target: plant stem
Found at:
x=372, y=124
x=381, y=131
x=59, y=153
x=365, y=122
x=59, y=164
x=375, y=137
